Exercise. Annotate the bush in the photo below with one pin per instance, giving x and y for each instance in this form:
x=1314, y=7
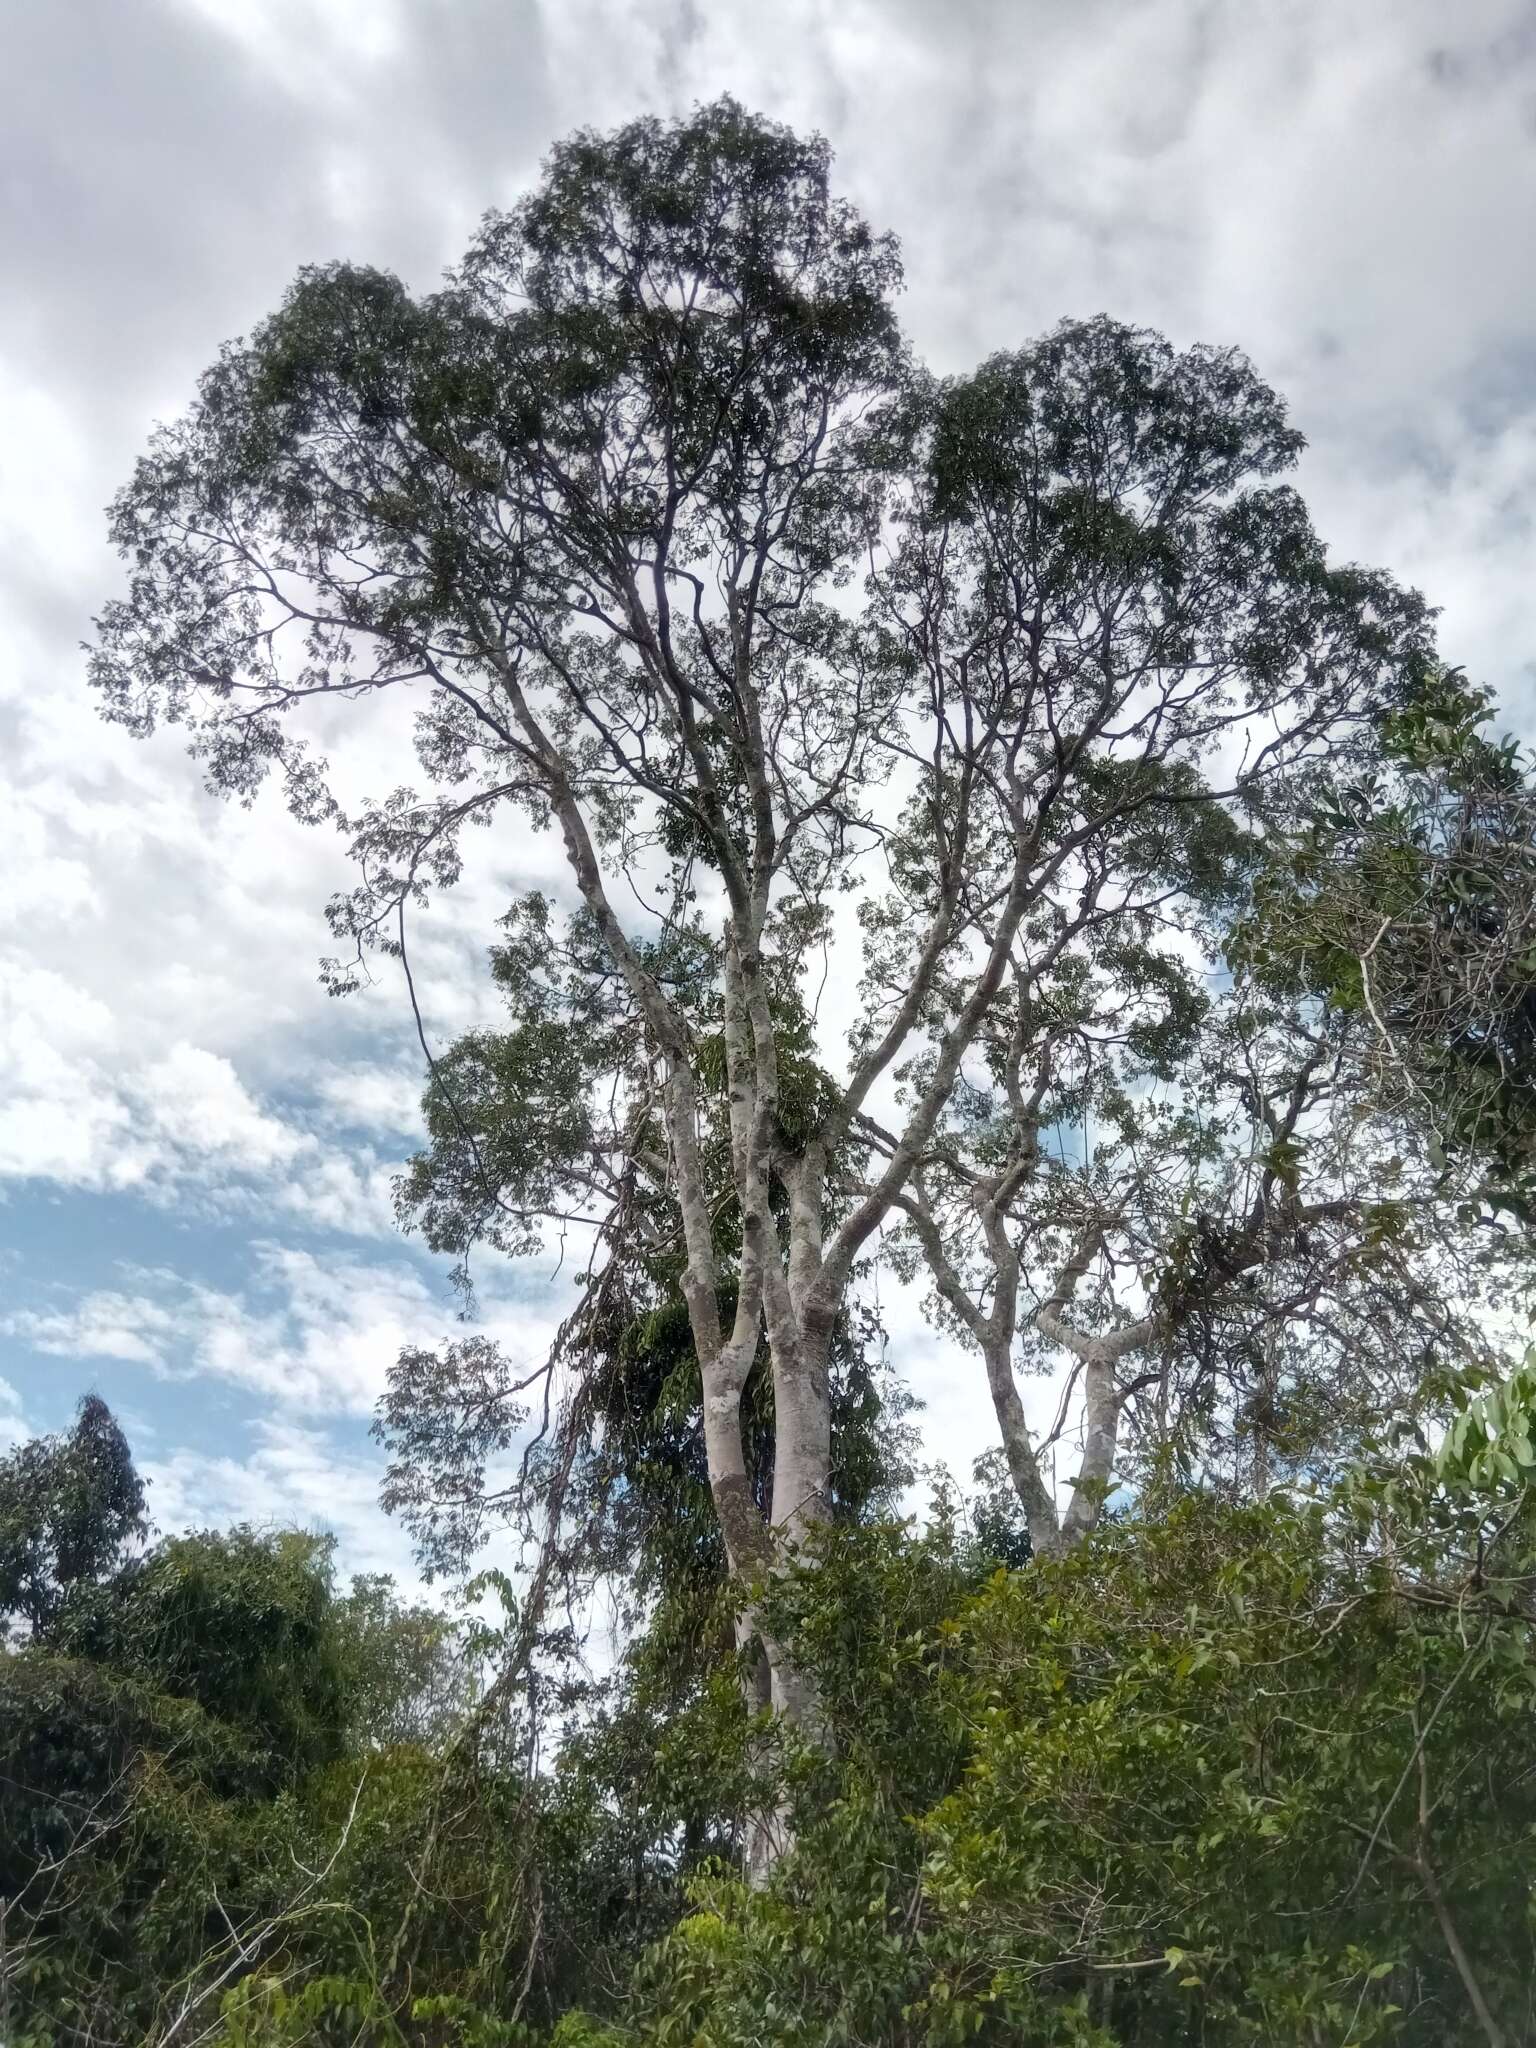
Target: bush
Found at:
x=1217, y=1779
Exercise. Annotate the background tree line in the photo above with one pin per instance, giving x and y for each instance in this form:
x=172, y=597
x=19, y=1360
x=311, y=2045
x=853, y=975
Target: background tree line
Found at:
x=1239, y=1771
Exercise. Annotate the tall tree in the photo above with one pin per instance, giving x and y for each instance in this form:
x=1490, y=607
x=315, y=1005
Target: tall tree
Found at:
x=598, y=511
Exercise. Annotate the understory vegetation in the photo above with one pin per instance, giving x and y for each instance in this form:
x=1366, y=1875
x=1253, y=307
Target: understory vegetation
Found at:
x=1229, y=1772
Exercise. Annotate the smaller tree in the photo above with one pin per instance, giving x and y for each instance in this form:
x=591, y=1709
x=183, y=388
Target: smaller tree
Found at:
x=406, y=1676
x=71, y=1509
x=1191, y=1197
x=245, y=1623
x=210, y=1756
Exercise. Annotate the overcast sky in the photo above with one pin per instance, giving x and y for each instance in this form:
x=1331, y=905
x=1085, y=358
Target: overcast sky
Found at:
x=195, y=1144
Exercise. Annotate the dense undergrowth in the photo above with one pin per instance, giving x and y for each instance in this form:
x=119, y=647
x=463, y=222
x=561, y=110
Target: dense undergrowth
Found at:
x=1226, y=1774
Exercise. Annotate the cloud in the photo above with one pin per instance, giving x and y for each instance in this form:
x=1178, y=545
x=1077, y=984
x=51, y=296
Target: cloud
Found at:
x=372, y=1097
x=293, y=1476
x=200, y=1105
x=13, y=1422
x=314, y=1333
x=296, y=1476
x=179, y=1126
x=103, y=1324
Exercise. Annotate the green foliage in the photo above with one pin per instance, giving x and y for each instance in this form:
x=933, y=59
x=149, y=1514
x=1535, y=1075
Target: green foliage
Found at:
x=1225, y=1776
x=1237, y=1774
x=171, y=1747
x=70, y=1509
x=1404, y=894
x=402, y=1667
x=242, y=1623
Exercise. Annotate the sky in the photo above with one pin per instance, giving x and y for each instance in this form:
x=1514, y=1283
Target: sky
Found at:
x=196, y=1143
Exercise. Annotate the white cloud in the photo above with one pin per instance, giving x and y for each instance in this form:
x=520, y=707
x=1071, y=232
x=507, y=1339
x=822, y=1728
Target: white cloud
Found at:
x=295, y=1476
x=103, y=1324
x=371, y=1097
x=200, y=1105
x=182, y=1127
x=13, y=1422
x=338, y=35
x=314, y=1333
x=345, y=1191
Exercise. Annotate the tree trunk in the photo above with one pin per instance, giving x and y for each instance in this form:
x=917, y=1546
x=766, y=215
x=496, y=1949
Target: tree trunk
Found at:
x=1101, y=1427
x=1018, y=1448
